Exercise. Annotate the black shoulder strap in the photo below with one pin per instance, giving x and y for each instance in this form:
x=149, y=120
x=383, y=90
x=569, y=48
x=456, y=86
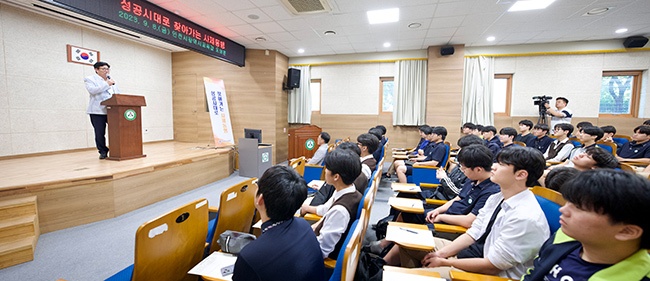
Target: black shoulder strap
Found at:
x=483, y=237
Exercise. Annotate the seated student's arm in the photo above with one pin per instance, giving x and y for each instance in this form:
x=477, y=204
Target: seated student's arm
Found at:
x=319, y=210
x=476, y=265
x=460, y=220
x=432, y=163
x=639, y=160
x=433, y=214
x=334, y=225
x=243, y=271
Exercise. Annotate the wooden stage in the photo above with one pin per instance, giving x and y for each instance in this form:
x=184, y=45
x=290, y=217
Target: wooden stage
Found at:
x=75, y=188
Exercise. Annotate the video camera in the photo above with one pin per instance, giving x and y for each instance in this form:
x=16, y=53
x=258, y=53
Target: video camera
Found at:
x=540, y=101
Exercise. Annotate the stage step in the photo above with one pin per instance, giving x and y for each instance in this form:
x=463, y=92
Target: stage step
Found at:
x=19, y=230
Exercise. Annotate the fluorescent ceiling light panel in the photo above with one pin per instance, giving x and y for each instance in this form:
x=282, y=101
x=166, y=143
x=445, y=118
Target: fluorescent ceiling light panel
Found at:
x=527, y=5
x=383, y=16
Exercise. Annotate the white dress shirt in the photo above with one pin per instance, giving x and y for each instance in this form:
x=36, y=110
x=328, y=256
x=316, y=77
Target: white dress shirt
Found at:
x=364, y=168
x=99, y=91
x=335, y=221
x=518, y=232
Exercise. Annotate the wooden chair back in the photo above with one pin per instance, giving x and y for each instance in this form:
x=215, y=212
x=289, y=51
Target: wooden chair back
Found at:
x=298, y=165
x=353, y=249
x=550, y=201
x=609, y=146
x=627, y=167
x=520, y=143
x=167, y=247
x=236, y=210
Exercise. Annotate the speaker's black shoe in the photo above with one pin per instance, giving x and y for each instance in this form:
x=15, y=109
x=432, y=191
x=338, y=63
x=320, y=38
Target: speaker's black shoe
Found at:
x=103, y=155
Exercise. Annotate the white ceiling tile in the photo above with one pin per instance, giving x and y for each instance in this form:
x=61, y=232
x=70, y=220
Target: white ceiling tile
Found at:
x=269, y=27
x=441, y=32
x=278, y=12
x=293, y=24
x=244, y=15
x=281, y=36
x=235, y=5
x=264, y=3
x=244, y=29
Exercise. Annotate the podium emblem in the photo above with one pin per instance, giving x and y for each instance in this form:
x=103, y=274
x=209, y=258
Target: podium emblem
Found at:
x=130, y=114
x=265, y=157
x=310, y=144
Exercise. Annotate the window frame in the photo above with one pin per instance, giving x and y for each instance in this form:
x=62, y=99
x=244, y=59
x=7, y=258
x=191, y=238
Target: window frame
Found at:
x=635, y=97
x=320, y=92
x=508, y=77
x=381, y=93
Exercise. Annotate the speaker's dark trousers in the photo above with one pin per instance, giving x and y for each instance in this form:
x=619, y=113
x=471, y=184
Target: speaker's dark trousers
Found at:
x=99, y=122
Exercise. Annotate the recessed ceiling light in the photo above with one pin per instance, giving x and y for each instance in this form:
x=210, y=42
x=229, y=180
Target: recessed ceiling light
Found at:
x=383, y=16
x=491, y=38
x=300, y=51
x=621, y=30
x=415, y=25
x=330, y=32
x=387, y=44
x=260, y=39
x=253, y=17
x=530, y=5
x=597, y=11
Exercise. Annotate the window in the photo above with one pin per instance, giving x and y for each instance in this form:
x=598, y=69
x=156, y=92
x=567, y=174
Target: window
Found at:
x=619, y=93
x=386, y=88
x=502, y=94
x=314, y=88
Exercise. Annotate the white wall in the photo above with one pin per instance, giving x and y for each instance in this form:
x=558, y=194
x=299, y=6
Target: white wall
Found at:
x=42, y=97
x=351, y=88
x=576, y=77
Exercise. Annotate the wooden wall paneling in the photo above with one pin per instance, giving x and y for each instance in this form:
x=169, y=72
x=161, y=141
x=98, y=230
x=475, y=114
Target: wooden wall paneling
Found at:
x=282, y=110
x=444, y=90
x=184, y=107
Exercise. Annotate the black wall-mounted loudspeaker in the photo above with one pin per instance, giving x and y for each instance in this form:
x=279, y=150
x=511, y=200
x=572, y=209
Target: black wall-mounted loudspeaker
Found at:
x=293, y=78
x=447, y=50
x=635, y=42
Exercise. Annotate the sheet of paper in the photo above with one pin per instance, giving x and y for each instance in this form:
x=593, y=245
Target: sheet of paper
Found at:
x=407, y=235
x=405, y=187
x=212, y=265
x=405, y=202
x=319, y=183
x=400, y=276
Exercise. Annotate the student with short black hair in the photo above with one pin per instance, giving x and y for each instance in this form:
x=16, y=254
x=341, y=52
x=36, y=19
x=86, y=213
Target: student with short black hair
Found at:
x=325, y=191
x=343, y=167
x=491, y=140
x=557, y=177
x=561, y=114
x=560, y=149
x=638, y=150
x=541, y=140
x=467, y=128
x=525, y=127
x=609, y=131
x=646, y=122
x=287, y=246
x=507, y=136
x=604, y=233
x=588, y=136
x=367, y=143
x=594, y=157
x=518, y=229
x=582, y=125
x=382, y=141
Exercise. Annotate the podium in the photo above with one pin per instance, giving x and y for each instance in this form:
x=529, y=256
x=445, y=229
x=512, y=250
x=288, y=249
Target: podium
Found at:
x=124, y=126
x=254, y=158
x=303, y=141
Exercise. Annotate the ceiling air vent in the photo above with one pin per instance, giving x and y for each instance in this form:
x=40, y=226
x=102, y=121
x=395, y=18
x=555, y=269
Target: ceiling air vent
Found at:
x=301, y=7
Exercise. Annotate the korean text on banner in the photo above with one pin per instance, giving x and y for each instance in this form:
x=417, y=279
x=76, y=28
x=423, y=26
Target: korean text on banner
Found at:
x=215, y=91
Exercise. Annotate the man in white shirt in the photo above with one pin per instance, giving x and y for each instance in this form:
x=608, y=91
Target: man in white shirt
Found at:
x=319, y=155
x=101, y=87
x=561, y=147
x=519, y=227
x=561, y=114
x=343, y=167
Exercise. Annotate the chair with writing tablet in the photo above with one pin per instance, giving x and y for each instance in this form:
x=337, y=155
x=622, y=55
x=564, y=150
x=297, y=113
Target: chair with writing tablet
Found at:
x=298, y=165
x=427, y=174
x=316, y=172
x=235, y=212
x=167, y=247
